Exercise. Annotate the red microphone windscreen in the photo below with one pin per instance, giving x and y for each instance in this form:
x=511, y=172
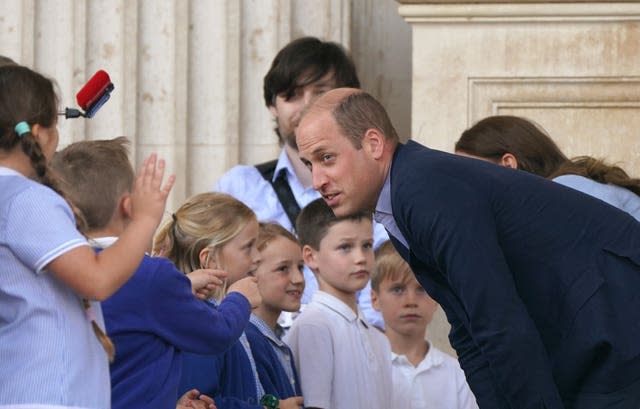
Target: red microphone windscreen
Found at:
x=93, y=89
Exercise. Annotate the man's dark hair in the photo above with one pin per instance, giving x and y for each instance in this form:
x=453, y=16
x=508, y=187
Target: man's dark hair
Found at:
x=316, y=218
x=304, y=61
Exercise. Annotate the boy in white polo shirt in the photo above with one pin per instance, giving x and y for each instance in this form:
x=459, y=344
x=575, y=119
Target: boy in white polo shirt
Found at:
x=423, y=376
x=343, y=362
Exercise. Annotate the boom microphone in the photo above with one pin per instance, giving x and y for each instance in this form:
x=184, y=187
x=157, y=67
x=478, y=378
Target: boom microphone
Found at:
x=92, y=96
x=95, y=93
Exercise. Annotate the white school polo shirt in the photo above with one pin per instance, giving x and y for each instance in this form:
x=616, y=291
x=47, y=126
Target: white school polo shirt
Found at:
x=437, y=382
x=342, y=361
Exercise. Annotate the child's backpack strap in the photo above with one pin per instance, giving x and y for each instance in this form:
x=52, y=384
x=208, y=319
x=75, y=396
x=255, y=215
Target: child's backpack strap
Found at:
x=281, y=187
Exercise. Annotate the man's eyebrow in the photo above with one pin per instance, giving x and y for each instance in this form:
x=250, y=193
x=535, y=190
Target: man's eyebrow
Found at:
x=319, y=150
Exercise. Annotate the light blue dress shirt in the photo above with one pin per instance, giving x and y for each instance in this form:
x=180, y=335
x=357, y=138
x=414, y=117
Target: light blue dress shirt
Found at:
x=384, y=212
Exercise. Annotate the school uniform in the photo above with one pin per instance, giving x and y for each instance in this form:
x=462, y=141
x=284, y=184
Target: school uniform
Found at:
x=49, y=354
x=274, y=360
x=152, y=319
x=343, y=362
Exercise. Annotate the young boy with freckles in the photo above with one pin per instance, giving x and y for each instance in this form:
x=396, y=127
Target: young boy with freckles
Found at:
x=343, y=361
x=423, y=376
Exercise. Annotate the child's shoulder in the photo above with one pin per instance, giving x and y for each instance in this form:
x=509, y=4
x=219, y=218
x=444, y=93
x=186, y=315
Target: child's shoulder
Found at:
x=155, y=274
x=314, y=314
x=312, y=320
x=253, y=332
x=26, y=193
x=442, y=359
x=257, y=339
x=158, y=264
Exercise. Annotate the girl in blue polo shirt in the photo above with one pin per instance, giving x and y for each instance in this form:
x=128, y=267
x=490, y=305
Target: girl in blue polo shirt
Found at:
x=52, y=347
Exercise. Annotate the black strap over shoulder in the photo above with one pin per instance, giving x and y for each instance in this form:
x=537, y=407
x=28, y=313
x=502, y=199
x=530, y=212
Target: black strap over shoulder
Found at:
x=266, y=169
x=281, y=187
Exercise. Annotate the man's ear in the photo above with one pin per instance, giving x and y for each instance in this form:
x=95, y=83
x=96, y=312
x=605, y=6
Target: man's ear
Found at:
x=373, y=141
x=508, y=160
x=308, y=256
x=375, y=302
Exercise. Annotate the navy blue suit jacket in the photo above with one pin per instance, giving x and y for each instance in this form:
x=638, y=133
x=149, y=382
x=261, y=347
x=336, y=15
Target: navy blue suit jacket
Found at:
x=540, y=282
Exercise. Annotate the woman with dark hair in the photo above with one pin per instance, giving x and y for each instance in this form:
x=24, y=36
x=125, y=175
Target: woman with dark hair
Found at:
x=517, y=143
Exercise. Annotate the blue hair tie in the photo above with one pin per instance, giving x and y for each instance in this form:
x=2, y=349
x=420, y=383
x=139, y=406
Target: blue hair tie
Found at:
x=22, y=128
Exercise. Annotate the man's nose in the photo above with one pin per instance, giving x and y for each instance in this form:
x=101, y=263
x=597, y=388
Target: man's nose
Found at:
x=318, y=179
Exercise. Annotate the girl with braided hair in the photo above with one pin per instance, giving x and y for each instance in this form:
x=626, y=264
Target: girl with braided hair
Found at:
x=51, y=337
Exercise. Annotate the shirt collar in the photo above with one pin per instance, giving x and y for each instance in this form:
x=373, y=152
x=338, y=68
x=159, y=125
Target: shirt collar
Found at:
x=284, y=163
x=384, y=200
x=338, y=306
x=433, y=359
x=266, y=330
x=102, y=242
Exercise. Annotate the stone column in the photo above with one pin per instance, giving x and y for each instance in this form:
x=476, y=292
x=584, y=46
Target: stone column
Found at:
x=214, y=91
x=188, y=74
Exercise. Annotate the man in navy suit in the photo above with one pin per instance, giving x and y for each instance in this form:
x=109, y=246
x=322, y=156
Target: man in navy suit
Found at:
x=541, y=283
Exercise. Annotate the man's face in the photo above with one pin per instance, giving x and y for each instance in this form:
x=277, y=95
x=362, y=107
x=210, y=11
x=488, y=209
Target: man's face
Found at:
x=340, y=172
x=286, y=111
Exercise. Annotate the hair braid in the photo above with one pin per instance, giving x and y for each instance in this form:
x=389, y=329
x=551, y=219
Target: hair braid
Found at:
x=103, y=338
x=32, y=149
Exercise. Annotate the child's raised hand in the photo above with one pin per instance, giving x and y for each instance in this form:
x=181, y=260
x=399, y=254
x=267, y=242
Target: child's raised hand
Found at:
x=295, y=402
x=149, y=197
x=248, y=287
x=205, y=281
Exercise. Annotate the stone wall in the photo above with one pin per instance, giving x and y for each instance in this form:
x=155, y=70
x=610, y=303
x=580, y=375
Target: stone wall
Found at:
x=188, y=74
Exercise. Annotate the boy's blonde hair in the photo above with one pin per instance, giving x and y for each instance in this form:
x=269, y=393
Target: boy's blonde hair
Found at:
x=269, y=231
x=389, y=266
x=205, y=220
